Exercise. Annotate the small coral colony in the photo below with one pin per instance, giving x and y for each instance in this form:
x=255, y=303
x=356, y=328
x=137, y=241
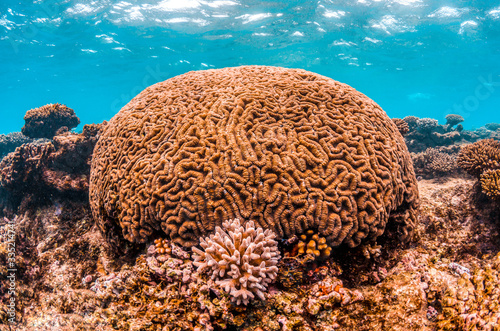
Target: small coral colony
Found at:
x=249, y=198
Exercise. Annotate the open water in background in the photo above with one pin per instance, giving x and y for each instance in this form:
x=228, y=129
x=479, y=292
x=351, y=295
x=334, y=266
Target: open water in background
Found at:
x=413, y=57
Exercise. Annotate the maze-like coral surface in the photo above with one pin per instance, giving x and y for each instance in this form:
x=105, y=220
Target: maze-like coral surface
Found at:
x=286, y=148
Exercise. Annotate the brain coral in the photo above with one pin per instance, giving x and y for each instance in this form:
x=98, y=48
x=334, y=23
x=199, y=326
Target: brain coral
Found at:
x=43, y=122
x=287, y=148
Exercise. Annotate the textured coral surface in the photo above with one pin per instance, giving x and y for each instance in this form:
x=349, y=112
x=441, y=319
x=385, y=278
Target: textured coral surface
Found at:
x=44, y=122
x=482, y=155
x=490, y=183
x=286, y=148
x=67, y=278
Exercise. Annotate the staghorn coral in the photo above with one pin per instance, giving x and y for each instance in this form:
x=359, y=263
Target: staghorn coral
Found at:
x=453, y=119
x=43, y=122
x=490, y=183
x=289, y=149
x=241, y=259
x=477, y=157
x=402, y=125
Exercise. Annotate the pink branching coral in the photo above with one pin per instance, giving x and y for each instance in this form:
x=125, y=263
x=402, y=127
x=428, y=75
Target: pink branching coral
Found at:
x=242, y=259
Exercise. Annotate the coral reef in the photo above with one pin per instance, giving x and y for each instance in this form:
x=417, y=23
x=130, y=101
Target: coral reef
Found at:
x=492, y=126
x=9, y=142
x=436, y=162
x=241, y=259
x=67, y=278
x=490, y=183
x=60, y=166
x=289, y=149
x=482, y=155
x=426, y=124
x=44, y=122
x=403, y=126
x=427, y=133
x=453, y=119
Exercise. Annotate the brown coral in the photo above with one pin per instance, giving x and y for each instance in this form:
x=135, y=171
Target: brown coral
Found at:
x=490, y=183
x=63, y=164
x=403, y=127
x=480, y=156
x=43, y=122
x=287, y=148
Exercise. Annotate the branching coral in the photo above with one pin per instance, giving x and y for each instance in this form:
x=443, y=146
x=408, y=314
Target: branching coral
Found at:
x=44, y=122
x=242, y=259
x=426, y=124
x=402, y=125
x=287, y=148
x=482, y=155
x=490, y=183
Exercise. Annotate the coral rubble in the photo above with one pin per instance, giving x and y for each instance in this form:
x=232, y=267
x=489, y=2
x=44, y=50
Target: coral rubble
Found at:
x=188, y=153
x=44, y=122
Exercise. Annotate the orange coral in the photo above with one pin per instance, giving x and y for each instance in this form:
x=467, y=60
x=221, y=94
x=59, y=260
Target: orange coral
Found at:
x=490, y=183
x=287, y=148
x=480, y=156
x=44, y=122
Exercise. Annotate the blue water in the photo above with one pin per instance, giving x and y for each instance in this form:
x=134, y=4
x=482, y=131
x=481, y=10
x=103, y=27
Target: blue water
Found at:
x=413, y=57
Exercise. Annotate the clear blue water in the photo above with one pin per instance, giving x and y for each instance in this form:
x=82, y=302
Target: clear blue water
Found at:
x=413, y=57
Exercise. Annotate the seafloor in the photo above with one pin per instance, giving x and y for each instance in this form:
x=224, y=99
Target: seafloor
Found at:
x=68, y=277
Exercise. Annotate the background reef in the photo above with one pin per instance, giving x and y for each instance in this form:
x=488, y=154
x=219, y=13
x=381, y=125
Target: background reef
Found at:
x=69, y=277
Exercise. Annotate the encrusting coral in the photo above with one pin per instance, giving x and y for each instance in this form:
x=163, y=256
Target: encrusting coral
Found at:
x=490, y=183
x=242, y=259
x=44, y=122
x=287, y=148
x=482, y=155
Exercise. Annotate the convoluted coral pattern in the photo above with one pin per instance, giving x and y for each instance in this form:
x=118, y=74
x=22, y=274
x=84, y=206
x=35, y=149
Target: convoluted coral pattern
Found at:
x=43, y=122
x=242, y=259
x=480, y=156
x=286, y=148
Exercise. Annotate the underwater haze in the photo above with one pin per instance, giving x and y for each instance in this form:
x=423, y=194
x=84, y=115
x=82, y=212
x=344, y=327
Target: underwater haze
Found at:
x=413, y=57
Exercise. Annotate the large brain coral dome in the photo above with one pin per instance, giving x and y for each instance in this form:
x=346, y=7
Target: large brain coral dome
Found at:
x=287, y=148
